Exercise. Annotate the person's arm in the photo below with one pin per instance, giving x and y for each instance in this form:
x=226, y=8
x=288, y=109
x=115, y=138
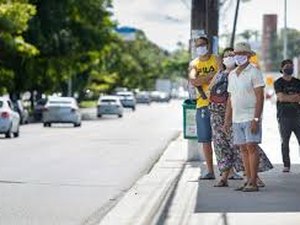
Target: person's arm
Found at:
x=200, y=80
x=281, y=97
x=228, y=115
x=259, y=105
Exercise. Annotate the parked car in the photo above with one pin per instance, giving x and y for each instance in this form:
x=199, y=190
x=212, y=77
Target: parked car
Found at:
x=143, y=97
x=127, y=99
x=38, y=109
x=61, y=110
x=9, y=119
x=109, y=105
x=23, y=112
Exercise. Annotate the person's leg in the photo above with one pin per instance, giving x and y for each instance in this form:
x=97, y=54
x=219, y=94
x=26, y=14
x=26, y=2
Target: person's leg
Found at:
x=253, y=163
x=204, y=134
x=246, y=162
x=207, y=149
x=285, y=133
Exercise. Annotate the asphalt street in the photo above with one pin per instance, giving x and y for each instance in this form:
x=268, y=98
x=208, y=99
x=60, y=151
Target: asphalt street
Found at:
x=65, y=175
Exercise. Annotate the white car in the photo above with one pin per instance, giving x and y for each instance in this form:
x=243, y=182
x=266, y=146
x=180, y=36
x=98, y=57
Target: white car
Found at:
x=109, y=105
x=127, y=99
x=61, y=110
x=9, y=119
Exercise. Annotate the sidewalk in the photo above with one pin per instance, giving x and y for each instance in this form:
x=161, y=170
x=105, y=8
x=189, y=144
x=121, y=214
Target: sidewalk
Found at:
x=171, y=193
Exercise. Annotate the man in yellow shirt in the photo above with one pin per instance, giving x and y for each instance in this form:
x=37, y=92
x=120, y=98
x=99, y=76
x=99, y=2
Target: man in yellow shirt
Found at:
x=202, y=70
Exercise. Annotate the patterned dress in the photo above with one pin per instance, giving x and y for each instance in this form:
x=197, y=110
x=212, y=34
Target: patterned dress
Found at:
x=229, y=156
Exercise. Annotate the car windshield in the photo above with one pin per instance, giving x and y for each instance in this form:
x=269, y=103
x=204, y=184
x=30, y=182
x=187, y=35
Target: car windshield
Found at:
x=108, y=100
x=1, y=104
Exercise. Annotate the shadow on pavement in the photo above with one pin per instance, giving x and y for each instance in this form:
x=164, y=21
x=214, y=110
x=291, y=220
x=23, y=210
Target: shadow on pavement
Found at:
x=281, y=194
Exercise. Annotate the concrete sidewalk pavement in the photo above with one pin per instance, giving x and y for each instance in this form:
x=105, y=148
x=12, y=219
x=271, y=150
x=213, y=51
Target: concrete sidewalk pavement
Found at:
x=172, y=194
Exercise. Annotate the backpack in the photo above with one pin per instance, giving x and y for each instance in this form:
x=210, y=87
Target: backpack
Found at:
x=218, y=92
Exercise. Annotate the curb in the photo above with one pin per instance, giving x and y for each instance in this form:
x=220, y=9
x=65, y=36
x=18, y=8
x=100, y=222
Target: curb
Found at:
x=146, y=202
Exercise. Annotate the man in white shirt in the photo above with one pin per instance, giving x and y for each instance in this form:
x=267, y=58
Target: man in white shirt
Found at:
x=244, y=110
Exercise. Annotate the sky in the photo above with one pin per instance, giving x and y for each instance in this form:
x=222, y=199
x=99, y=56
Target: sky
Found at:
x=167, y=22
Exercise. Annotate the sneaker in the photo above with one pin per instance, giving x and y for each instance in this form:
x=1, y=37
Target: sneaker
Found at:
x=208, y=176
x=235, y=176
x=250, y=188
x=286, y=169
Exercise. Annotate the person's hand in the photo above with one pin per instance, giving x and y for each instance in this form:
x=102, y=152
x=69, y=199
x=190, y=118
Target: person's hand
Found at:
x=254, y=127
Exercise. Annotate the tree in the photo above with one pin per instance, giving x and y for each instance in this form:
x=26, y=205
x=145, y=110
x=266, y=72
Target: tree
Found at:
x=14, y=18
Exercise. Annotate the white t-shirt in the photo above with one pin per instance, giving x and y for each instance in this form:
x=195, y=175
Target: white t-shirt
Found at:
x=241, y=89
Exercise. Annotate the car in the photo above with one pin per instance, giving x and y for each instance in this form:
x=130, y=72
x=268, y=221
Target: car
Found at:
x=127, y=99
x=23, y=112
x=38, y=109
x=109, y=105
x=9, y=119
x=61, y=110
x=160, y=96
x=143, y=97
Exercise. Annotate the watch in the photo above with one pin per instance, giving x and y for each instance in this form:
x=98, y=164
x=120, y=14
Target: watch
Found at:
x=256, y=119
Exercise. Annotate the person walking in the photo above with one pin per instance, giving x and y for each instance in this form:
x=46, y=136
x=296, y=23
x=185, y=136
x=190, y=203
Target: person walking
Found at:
x=202, y=70
x=244, y=111
x=287, y=89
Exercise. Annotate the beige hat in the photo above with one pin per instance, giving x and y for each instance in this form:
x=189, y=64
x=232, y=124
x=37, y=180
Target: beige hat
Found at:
x=243, y=47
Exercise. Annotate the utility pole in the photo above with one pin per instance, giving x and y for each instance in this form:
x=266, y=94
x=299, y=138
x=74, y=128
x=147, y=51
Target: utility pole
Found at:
x=234, y=23
x=285, y=31
x=205, y=22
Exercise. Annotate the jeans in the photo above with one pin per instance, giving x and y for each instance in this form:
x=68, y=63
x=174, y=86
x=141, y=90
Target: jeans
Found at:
x=286, y=127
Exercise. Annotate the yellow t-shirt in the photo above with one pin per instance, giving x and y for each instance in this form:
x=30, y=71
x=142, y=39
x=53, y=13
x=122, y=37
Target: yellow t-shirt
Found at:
x=204, y=68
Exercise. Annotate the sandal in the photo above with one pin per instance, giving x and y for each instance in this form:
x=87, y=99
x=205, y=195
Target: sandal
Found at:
x=221, y=183
x=250, y=188
x=260, y=183
x=241, y=188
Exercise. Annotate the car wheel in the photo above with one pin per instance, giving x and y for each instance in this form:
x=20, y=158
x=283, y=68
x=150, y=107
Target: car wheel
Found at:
x=77, y=124
x=99, y=115
x=8, y=134
x=45, y=124
x=16, y=134
x=120, y=116
x=133, y=108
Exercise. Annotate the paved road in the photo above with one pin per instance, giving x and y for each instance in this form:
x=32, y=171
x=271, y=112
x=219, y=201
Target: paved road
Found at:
x=65, y=175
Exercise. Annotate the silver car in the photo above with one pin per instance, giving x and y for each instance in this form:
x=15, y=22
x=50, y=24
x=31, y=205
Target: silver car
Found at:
x=109, y=105
x=9, y=119
x=61, y=110
x=127, y=99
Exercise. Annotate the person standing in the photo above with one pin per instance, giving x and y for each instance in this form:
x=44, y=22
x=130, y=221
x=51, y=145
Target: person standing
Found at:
x=244, y=111
x=227, y=155
x=287, y=89
x=202, y=70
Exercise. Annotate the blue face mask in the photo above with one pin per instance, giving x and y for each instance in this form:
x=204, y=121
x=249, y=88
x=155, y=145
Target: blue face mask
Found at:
x=288, y=71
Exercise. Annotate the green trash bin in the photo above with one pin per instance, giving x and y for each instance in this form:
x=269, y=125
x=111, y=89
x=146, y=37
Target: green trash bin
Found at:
x=189, y=119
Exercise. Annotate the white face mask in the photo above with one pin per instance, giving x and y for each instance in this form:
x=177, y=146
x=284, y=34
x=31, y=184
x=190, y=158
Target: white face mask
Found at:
x=202, y=50
x=229, y=62
x=240, y=59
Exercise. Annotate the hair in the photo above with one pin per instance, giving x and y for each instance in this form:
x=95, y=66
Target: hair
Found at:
x=286, y=61
x=228, y=49
x=204, y=39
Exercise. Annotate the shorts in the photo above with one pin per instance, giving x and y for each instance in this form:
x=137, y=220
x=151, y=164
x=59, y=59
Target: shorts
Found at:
x=242, y=133
x=204, y=132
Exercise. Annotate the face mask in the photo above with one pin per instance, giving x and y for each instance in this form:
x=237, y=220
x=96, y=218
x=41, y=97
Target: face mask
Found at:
x=288, y=71
x=202, y=50
x=229, y=62
x=240, y=59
